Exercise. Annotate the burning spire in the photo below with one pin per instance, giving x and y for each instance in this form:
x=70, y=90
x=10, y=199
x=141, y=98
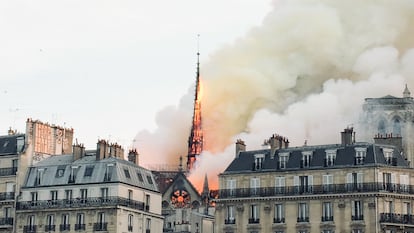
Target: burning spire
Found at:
x=195, y=141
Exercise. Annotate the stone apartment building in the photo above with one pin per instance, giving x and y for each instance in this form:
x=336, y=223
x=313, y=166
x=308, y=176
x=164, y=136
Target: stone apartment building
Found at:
x=347, y=187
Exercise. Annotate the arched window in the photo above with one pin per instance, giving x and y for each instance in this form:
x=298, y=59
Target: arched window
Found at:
x=381, y=127
x=396, y=127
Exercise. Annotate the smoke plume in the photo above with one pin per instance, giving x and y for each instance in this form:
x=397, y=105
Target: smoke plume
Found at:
x=303, y=74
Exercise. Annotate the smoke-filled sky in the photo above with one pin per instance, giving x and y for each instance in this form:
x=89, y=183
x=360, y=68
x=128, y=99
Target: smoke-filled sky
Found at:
x=298, y=68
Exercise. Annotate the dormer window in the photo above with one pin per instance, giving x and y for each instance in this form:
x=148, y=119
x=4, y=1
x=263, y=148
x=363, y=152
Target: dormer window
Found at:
x=306, y=158
x=388, y=155
x=108, y=172
x=73, y=171
x=283, y=159
x=39, y=177
x=330, y=158
x=258, y=162
x=360, y=154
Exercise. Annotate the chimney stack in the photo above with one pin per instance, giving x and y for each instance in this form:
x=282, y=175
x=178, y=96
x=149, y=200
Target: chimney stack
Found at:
x=11, y=132
x=78, y=151
x=133, y=156
x=102, y=148
x=347, y=136
x=277, y=142
x=240, y=147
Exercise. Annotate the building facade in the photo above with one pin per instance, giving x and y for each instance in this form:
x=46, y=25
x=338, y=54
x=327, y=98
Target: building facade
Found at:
x=347, y=187
x=89, y=191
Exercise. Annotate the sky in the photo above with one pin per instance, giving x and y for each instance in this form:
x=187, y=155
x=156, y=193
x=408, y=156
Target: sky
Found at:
x=106, y=68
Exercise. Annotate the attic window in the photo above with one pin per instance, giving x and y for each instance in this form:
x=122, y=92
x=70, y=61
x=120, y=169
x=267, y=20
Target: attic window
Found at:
x=127, y=175
x=39, y=177
x=330, y=158
x=108, y=172
x=60, y=171
x=388, y=155
x=258, y=161
x=360, y=154
x=5, y=144
x=140, y=178
x=73, y=171
x=150, y=180
x=283, y=159
x=89, y=170
x=306, y=159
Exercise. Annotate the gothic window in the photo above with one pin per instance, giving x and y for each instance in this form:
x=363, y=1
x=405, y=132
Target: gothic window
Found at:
x=382, y=127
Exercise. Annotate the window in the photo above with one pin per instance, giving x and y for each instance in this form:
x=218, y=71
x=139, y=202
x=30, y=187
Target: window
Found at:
x=104, y=193
x=230, y=215
x=303, y=212
x=101, y=225
x=254, y=186
x=148, y=225
x=65, y=226
x=80, y=222
x=108, y=172
x=72, y=176
x=126, y=172
x=388, y=207
x=258, y=161
x=330, y=158
x=354, y=181
x=327, y=212
x=130, y=194
x=150, y=180
x=306, y=159
x=283, y=159
x=60, y=171
x=140, y=178
x=404, y=183
x=84, y=194
x=360, y=154
x=388, y=156
x=406, y=208
x=254, y=214
x=388, y=180
x=279, y=213
x=68, y=195
x=7, y=212
x=147, y=202
x=89, y=170
x=231, y=186
x=303, y=184
x=327, y=183
x=33, y=196
x=396, y=127
x=280, y=183
x=381, y=127
x=130, y=222
x=31, y=225
x=54, y=196
x=357, y=210
x=50, y=223
x=39, y=177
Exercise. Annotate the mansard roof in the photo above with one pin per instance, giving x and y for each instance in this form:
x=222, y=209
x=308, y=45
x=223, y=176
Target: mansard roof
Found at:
x=345, y=157
x=8, y=144
x=57, y=172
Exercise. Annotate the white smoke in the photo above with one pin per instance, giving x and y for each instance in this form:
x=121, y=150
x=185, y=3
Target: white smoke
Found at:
x=304, y=74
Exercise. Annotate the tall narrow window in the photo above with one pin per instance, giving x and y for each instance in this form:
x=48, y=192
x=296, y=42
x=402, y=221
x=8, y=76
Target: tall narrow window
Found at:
x=303, y=184
x=39, y=177
x=280, y=183
x=65, y=223
x=258, y=162
x=83, y=194
x=327, y=183
x=31, y=224
x=50, y=223
x=303, y=212
x=330, y=158
x=254, y=214
x=147, y=202
x=283, y=159
x=231, y=186
x=306, y=159
x=357, y=210
x=104, y=193
x=68, y=195
x=404, y=183
x=396, y=127
x=108, y=172
x=360, y=154
x=33, y=196
x=130, y=222
x=80, y=222
x=354, y=181
x=279, y=213
x=101, y=225
x=388, y=181
x=230, y=215
x=130, y=195
x=327, y=212
x=254, y=186
x=72, y=176
x=148, y=225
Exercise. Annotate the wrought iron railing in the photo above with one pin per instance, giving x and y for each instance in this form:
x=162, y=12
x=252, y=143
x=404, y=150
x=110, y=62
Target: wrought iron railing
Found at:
x=254, y=220
x=79, y=227
x=327, y=218
x=100, y=226
x=8, y=171
x=303, y=219
x=6, y=221
x=29, y=229
x=79, y=203
x=397, y=218
x=316, y=190
x=230, y=221
x=64, y=227
x=278, y=220
x=50, y=228
x=7, y=196
x=357, y=217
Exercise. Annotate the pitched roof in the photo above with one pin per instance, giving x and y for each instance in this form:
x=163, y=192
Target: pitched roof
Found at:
x=8, y=144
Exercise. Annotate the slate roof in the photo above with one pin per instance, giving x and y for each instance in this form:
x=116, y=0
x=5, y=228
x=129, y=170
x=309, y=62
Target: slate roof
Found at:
x=57, y=171
x=8, y=144
x=345, y=157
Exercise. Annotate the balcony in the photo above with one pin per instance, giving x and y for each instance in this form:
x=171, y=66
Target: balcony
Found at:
x=254, y=220
x=79, y=203
x=6, y=221
x=7, y=196
x=397, y=218
x=8, y=171
x=64, y=227
x=230, y=221
x=303, y=219
x=316, y=190
x=100, y=226
x=130, y=229
x=357, y=217
x=278, y=220
x=327, y=218
x=29, y=229
x=50, y=228
x=80, y=227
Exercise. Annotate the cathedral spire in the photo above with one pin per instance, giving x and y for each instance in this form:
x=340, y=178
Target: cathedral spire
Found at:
x=406, y=93
x=195, y=140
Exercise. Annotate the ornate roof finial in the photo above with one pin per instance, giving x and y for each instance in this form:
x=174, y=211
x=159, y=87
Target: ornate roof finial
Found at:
x=406, y=93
